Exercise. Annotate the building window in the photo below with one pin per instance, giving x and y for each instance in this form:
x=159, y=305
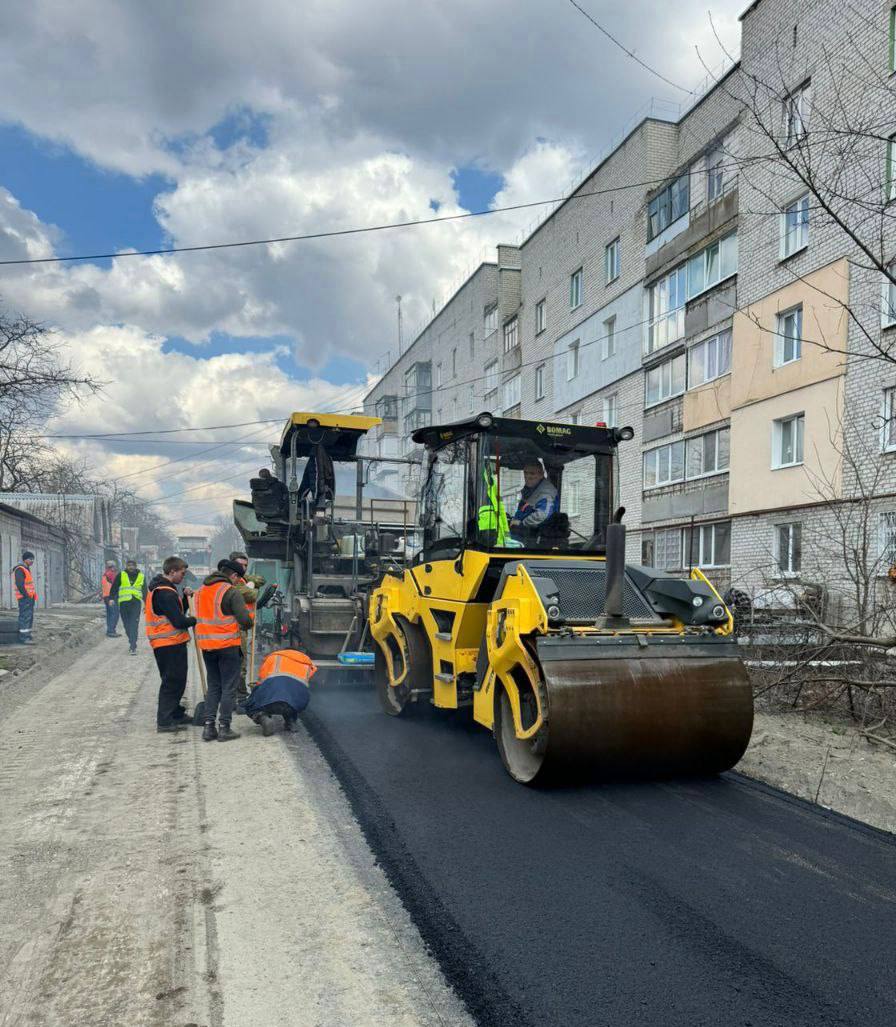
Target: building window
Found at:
x=787, y=441
x=609, y=340
x=438, y=376
x=572, y=360
x=789, y=548
x=668, y=206
x=667, y=298
x=715, y=175
x=611, y=261
x=664, y=465
x=796, y=114
x=890, y=177
x=888, y=306
x=575, y=289
x=511, y=335
x=709, y=359
x=888, y=430
x=387, y=408
x=665, y=381
x=789, y=336
x=512, y=392
x=576, y=418
x=541, y=316
x=610, y=404
x=539, y=382
x=472, y=344
x=708, y=453
x=454, y=362
x=712, y=265
x=662, y=549
x=887, y=539
x=492, y=378
x=892, y=59
x=491, y=319
x=708, y=546
x=795, y=226
x=573, y=498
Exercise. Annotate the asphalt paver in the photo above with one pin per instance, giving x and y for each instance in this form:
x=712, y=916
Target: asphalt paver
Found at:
x=688, y=902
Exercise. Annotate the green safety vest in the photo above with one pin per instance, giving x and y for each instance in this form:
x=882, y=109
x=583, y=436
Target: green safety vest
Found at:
x=493, y=516
x=128, y=590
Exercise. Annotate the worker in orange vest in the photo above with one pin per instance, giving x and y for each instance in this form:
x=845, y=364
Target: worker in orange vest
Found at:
x=220, y=614
x=26, y=596
x=282, y=688
x=106, y=582
x=168, y=630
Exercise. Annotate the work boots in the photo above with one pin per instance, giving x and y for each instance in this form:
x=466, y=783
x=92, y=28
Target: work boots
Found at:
x=225, y=734
x=209, y=732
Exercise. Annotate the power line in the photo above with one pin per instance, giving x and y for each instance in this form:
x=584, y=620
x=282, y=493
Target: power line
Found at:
x=158, y=431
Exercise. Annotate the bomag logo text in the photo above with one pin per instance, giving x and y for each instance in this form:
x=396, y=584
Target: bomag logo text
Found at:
x=553, y=429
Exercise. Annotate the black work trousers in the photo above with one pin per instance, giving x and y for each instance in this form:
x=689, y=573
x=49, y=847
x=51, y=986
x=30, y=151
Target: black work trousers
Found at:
x=130, y=617
x=222, y=667
x=172, y=663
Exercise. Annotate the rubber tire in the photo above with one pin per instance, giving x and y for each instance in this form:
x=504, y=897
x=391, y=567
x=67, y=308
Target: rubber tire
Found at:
x=396, y=701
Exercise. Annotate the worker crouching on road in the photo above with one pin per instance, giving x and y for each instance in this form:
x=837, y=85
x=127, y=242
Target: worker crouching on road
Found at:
x=129, y=588
x=220, y=614
x=282, y=689
x=106, y=583
x=167, y=629
x=26, y=596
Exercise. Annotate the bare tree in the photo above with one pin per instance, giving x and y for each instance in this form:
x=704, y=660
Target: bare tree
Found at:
x=225, y=538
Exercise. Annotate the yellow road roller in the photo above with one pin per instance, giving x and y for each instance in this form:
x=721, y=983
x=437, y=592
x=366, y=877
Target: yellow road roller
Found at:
x=520, y=606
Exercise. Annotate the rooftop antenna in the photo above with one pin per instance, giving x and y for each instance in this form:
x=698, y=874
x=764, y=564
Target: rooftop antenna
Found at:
x=398, y=301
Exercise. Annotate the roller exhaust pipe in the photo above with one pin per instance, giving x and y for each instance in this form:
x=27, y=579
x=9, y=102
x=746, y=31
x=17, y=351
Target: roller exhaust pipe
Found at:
x=614, y=613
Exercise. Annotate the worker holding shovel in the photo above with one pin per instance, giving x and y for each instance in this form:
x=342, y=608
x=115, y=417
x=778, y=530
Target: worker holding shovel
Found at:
x=167, y=629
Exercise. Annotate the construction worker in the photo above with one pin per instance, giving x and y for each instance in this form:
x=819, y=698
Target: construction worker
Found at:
x=106, y=583
x=538, y=501
x=248, y=586
x=129, y=589
x=26, y=596
x=492, y=517
x=282, y=689
x=220, y=614
x=167, y=629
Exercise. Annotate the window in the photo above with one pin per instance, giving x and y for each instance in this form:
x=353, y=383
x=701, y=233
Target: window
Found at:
x=662, y=549
x=708, y=546
x=709, y=359
x=795, y=226
x=472, y=344
x=890, y=177
x=664, y=465
x=609, y=340
x=511, y=335
x=787, y=441
x=892, y=59
x=712, y=265
x=491, y=319
x=576, y=418
x=715, y=169
x=492, y=377
x=796, y=114
x=611, y=261
x=888, y=429
x=541, y=316
x=573, y=498
x=666, y=300
x=539, y=382
x=665, y=380
x=668, y=206
x=512, y=392
x=572, y=360
x=438, y=376
x=575, y=289
x=789, y=336
x=454, y=362
x=708, y=453
x=888, y=306
x=610, y=416
x=789, y=548
x=887, y=538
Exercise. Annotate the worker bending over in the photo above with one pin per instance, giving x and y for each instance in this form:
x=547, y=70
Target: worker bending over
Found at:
x=282, y=689
x=220, y=614
x=167, y=629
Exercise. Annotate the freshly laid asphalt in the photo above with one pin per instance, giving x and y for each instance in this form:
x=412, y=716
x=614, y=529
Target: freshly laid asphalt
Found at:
x=677, y=903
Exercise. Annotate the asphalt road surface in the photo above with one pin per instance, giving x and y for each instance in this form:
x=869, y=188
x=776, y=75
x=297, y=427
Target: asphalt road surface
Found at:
x=677, y=903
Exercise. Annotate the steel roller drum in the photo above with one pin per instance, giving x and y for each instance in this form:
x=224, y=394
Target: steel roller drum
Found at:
x=634, y=709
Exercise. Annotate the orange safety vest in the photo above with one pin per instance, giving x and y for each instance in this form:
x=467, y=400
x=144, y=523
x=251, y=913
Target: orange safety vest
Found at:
x=30, y=590
x=250, y=603
x=214, y=628
x=159, y=630
x=106, y=586
x=287, y=661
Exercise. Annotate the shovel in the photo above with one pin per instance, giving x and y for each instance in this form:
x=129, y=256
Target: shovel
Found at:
x=199, y=709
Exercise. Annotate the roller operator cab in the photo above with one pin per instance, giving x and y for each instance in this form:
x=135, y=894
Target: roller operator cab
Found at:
x=520, y=607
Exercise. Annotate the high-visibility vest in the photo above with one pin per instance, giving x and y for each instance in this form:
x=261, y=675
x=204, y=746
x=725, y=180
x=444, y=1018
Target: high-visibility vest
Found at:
x=130, y=590
x=250, y=603
x=214, y=628
x=492, y=516
x=106, y=586
x=159, y=630
x=30, y=590
x=287, y=661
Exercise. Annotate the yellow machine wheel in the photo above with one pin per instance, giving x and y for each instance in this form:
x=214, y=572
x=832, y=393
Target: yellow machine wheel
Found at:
x=395, y=700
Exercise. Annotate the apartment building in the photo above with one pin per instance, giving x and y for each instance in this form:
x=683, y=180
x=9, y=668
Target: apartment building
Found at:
x=693, y=287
